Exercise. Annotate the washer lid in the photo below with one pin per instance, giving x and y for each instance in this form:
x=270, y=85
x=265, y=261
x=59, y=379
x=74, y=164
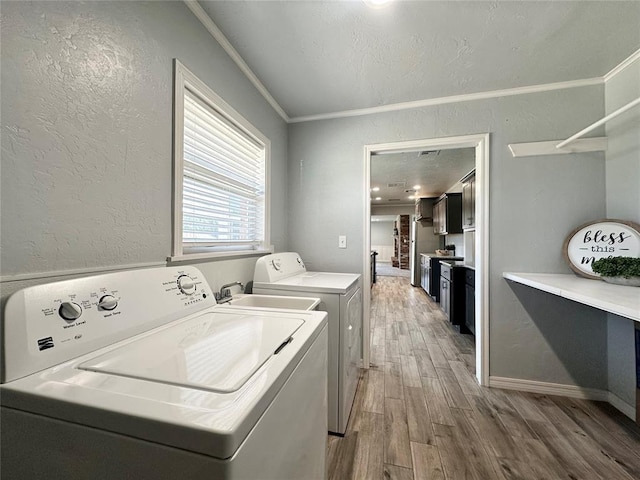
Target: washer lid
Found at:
x=217, y=352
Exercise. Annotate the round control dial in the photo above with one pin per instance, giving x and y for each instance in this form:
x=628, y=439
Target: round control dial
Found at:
x=276, y=264
x=186, y=284
x=107, y=302
x=70, y=311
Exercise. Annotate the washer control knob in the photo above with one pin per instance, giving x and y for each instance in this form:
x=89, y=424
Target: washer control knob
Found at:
x=107, y=302
x=70, y=311
x=186, y=284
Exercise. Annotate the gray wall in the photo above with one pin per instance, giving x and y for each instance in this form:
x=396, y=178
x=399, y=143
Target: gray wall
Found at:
x=534, y=203
x=382, y=233
x=87, y=133
x=623, y=202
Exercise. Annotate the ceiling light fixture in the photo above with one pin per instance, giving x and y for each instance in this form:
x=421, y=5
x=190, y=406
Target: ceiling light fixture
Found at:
x=375, y=189
x=378, y=198
x=412, y=197
x=377, y=3
x=416, y=187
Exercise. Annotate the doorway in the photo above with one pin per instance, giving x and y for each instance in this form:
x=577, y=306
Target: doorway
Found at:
x=480, y=143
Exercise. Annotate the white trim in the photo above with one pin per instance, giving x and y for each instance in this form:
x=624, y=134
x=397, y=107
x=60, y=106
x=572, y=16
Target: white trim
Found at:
x=481, y=144
x=594, y=144
x=77, y=271
x=626, y=408
x=624, y=64
x=216, y=33
x=178, y=154
x=572, y=391
x=190, y=257
x=468, y=97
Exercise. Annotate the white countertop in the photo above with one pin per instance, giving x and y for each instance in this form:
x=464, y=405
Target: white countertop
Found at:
x=618, y=299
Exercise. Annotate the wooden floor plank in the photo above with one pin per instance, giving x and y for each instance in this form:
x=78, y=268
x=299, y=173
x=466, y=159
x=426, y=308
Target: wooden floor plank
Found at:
x=452, y=391
x=393, y=386
x=418, y=418
x=373, y=386
x=426, y=462
x=437, y=356
x=368, y=459
x=439, y=409
x=394, y=472
x=410, y=373
x=397, y=449
x=425, y=365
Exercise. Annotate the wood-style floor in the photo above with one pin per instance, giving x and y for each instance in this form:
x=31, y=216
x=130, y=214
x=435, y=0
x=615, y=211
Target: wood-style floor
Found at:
x=420, y=414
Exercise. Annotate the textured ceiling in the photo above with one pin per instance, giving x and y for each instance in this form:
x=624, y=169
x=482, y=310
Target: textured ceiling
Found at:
x=435, y=172
x=318, y=57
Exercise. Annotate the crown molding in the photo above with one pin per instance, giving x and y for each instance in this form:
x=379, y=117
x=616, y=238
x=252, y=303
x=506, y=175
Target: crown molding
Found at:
x=624, y=64
x=394, y=107
x=216, y=33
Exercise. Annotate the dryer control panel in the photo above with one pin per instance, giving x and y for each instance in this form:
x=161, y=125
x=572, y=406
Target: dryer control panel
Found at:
x=46, y=325
x=278, y=266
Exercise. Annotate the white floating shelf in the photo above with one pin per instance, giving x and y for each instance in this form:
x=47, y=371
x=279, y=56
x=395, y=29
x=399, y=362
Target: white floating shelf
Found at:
x=595, y=144
x=618, y=299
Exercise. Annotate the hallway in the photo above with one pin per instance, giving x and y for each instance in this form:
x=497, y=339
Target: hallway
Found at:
x=420, y=414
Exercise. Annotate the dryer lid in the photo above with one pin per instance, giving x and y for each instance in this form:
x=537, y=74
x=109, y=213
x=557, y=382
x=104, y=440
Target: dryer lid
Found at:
x=319, y=282
x=217, y=352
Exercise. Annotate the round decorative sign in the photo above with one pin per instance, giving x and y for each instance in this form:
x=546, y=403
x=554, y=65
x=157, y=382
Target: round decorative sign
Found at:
x=603, y=238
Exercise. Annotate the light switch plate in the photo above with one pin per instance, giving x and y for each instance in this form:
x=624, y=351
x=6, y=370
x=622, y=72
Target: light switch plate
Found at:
x=342, y=241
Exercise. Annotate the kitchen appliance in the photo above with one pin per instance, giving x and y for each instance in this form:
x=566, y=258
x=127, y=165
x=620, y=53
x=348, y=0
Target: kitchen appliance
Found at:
x=141, y=375
x=341, y=297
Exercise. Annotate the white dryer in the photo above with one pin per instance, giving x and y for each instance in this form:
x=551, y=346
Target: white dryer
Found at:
x=141, y=375
x=341, y=297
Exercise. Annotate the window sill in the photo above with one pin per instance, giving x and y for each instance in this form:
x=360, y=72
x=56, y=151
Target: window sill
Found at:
x=191, y=257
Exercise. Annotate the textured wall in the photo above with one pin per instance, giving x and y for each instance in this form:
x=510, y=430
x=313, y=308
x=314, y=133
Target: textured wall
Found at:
x=87, y=131
x=623, y=202
x=382, y=233
x=534, y=203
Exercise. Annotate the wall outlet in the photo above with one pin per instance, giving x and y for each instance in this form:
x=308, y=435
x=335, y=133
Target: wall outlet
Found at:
x=342, y=241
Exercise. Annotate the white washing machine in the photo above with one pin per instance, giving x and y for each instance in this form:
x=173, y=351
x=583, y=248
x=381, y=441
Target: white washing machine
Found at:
x=341, y=297
x=141, y=375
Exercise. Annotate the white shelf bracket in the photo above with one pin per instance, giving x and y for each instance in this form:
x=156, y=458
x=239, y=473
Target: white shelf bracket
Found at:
x=596, y=144
x=623, y=109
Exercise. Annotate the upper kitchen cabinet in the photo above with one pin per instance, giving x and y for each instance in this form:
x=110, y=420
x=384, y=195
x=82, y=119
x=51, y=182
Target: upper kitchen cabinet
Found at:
x=447, y=214
x=469, y=201
x=424, y=210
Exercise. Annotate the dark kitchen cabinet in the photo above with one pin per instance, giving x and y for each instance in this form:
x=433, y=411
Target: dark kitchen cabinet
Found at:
x=452, y=293
x=469, y=301
x=424, y=210
x=447, y=214
x=433, y=279
x=469, y=201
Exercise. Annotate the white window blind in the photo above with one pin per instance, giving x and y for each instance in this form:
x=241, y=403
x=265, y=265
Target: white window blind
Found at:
x=223, y=194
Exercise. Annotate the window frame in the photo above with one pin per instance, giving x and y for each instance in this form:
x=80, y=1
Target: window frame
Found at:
x=185, y=80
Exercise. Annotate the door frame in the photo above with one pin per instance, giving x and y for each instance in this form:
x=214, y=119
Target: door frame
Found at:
x=481, y=144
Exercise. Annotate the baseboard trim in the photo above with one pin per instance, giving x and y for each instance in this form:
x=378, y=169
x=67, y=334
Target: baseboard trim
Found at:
x=547, y=388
